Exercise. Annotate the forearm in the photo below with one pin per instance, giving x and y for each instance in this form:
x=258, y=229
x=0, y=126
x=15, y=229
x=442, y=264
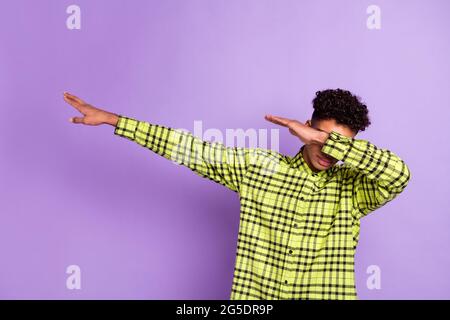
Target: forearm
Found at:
x=379, y=164
x=159, y=139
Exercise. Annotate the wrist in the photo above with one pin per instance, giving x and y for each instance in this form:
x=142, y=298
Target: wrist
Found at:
x=112, y=119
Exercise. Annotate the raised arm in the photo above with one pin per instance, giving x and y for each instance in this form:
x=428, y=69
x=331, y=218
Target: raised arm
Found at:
x=379, y=174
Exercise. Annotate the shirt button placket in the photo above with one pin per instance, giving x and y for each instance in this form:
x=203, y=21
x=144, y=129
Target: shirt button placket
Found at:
x=293, y=240
x=288, y=276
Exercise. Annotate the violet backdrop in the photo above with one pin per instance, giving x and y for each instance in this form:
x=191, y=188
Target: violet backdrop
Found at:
x=141, y=227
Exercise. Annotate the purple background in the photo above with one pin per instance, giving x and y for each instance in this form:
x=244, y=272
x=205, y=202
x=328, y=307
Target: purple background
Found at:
x=141, y=227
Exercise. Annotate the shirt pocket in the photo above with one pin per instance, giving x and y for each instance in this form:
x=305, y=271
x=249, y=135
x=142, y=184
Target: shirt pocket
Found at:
x=321, y=210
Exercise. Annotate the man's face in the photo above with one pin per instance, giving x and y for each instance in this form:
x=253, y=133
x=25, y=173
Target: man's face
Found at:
x=313, y=154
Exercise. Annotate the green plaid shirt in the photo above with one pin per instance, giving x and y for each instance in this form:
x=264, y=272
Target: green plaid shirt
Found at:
x=298, y=229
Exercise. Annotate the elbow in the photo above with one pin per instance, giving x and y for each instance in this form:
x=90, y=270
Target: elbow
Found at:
x=404, y=176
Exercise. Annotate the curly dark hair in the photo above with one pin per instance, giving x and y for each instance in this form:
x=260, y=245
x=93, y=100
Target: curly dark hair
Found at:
x=342, y=106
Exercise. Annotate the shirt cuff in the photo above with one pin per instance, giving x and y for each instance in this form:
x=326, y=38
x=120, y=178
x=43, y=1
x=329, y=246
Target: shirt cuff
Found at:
x=126, y=127
x=337, y=145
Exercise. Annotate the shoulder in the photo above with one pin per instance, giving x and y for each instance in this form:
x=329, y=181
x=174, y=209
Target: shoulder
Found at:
x=266, y=158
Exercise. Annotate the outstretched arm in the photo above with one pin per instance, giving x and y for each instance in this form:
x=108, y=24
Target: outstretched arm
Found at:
x=215, y=161
x=212, y=160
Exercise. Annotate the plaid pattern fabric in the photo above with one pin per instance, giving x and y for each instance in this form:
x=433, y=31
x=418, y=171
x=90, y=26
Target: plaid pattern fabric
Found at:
x=298, y=229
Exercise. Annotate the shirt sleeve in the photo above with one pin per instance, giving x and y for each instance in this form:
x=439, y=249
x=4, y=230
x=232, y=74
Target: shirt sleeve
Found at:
x=212, y=160
x=380, y=175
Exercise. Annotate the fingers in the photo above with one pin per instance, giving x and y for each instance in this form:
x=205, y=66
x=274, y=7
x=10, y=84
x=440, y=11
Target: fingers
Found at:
x=76, y=120
x=72, y=97
x=70, y=100
x=76, y=105
x=278, y=120
x=73, y=102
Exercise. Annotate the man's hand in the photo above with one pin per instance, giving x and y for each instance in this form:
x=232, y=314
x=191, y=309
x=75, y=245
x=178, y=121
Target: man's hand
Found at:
x=305, y=133
x=92, y=116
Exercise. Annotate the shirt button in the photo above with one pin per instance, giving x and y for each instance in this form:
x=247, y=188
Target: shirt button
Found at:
x=302, y=198
x=295, y=225
x=285, y=281
x=290, y=251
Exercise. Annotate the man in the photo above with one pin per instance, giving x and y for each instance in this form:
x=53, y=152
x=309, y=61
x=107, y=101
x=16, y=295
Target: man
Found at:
x=300, y=216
